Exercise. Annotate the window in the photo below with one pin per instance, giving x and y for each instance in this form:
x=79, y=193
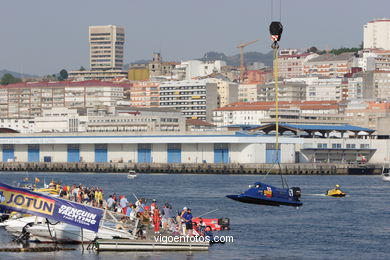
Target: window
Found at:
x=322, y=146
x=364, y=146
x=351, y=146
x=336, y=146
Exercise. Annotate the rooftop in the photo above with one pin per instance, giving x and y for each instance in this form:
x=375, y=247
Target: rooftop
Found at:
x=87, y=83
x=267, y=105
x=313, y=128
x=332, y=57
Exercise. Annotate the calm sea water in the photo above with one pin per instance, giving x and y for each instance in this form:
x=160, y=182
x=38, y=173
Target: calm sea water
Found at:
x=354, y=227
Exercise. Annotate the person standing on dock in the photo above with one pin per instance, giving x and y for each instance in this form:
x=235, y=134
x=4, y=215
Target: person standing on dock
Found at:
x=187, y=216
x=180, y=220
x=167, y=216
x=123, y=204
x=110, y=203
x=156, y=219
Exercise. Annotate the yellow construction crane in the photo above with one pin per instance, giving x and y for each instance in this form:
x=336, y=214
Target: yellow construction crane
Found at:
x=242, y=65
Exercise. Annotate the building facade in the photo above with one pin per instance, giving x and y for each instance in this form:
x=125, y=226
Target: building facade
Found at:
x=287, y=91
x=145, y=94
x=106, y=47
x=195, y=98
x=28, y=99
x=291, y=63
x=376, y=34
x=329, y=65
x=221, y=148
x=298, y=112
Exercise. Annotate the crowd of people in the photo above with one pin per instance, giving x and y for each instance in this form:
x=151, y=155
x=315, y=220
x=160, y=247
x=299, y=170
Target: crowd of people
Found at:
x=92, y=196
x=150, y=216
x=153, y=217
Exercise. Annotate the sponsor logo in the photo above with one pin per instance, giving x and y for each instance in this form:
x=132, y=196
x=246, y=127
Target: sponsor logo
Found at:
x=268, y=192
x=28, y=202
x=77, y=215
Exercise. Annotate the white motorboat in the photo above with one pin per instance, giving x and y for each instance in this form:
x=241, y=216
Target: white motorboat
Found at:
x=131, y=174
x=385, y=174
x=40, y=230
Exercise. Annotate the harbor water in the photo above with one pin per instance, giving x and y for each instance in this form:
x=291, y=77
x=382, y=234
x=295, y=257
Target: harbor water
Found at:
x=354, y=227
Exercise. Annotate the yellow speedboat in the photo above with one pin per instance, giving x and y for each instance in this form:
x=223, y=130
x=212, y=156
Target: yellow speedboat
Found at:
x=336, y=192
x=50, y=191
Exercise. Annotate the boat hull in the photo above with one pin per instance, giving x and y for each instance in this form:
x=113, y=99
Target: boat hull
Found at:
x=260, y=201
x=335, y=193
x=60, y=232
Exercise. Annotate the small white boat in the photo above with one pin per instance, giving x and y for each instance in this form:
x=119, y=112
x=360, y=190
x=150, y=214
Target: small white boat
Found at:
x=59, y=232
x=385, y=174
x=131, y=174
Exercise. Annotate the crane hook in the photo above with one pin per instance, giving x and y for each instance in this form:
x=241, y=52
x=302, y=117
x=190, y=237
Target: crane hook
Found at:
x=275, y=29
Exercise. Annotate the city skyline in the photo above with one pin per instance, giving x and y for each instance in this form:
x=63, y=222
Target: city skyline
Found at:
x=42, y=37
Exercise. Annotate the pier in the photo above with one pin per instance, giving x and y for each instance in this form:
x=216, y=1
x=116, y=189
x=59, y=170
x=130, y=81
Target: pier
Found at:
x=196, y=168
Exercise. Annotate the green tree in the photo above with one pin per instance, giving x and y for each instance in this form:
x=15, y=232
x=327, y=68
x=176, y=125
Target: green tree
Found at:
x=82, y=69
x=313, y=49
x=63, y=75
x=9, y=79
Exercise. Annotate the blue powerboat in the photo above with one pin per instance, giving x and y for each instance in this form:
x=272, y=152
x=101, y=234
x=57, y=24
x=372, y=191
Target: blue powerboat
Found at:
x=264, y=194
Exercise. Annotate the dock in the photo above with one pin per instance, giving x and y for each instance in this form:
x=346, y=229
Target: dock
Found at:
x=196, y=168
x=148, y=245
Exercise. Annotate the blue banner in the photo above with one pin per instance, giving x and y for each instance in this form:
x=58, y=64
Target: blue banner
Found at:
x=34, y=203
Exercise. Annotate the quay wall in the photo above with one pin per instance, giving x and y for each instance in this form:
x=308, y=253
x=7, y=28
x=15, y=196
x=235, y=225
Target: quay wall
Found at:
x=188, y=149
x=190, y=168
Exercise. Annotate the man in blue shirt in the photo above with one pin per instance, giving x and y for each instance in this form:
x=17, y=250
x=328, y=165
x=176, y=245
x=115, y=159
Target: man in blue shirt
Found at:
x=187, y=217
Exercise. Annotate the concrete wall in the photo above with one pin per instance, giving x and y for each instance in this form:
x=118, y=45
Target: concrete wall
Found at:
x=20, y=152
x=87, y=152
x=159, y=153
x=239, y=152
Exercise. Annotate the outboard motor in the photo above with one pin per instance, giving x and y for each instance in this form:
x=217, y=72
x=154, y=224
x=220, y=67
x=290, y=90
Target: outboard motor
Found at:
x=295, y=192
x=224, y=223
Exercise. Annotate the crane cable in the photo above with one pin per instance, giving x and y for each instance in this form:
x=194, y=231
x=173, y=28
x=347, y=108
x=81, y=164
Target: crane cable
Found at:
x=276, y=29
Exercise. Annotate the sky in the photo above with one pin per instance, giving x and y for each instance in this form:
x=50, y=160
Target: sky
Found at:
x=44, y=36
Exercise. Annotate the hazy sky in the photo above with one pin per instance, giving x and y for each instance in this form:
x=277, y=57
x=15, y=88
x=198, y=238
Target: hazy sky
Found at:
x=44, y=36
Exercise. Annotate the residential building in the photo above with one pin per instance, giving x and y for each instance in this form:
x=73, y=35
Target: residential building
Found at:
x=195, y=98
x=298, y=112
x=376, y=34
x=257, y=76
x=247, y=92
x=321, y=89
x=367, y=113
x=291, y=63
x=106, y=47
x=145, y=94
x=287, y=91
x=355, y=87
x=329, y=65
x=227, y=91
x=104, y=75
x=28, y=99
x=376, y=85
x=194, y=69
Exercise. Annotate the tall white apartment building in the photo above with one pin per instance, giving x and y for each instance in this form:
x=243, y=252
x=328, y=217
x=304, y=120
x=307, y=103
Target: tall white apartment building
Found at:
x=195, y=98
x=106, y=47
x=377, y=34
